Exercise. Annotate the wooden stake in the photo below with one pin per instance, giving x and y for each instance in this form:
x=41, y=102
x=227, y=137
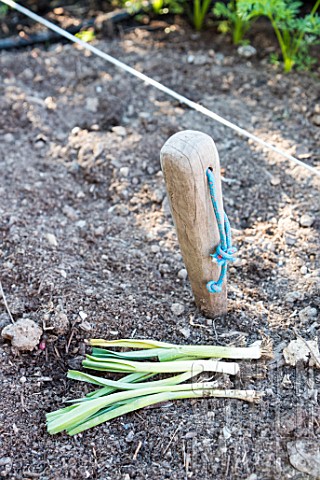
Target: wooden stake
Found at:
x=185, y=158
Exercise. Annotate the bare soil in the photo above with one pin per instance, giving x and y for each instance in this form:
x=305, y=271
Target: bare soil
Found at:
x=63, y=172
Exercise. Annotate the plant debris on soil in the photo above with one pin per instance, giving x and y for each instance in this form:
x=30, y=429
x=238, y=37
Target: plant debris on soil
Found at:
x=88, y=250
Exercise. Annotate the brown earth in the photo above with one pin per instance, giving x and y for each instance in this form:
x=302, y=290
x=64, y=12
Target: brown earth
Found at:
x=68, y=172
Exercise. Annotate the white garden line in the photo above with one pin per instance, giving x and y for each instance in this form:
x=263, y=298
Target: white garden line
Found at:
x=184, y=100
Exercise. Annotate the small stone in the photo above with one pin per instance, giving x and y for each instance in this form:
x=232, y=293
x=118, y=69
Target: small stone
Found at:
x=52, y=239
x=124, y=171
x=290, y=240
x=75, y=362
x=82, y=315
x=50, y=103
x=144, y=115
x=85, y=326
x=303, y=152
x=316, y=119
x=119, y=209
x=81, y=223
x=119, y=130
x=238, y=263
x=275, y=181
x=317, y=108
x=166, y=207
x=8, y=138
x=4, y=319
x=158, y=195
x=63, y=273
x=99, y=231
x=306, y=220
x=304, y=270
x=76, y=130
x=185, y=331
x=24, y=334
x=92, y=104
x=292, y=297
x=135, y=181
x=219, y=58
x=286, y=381
x=39, y=144
x=155, y=248
x=226, y=432
x=304, y=455
x=177, y=309
x=200, y=60
x=246, y=51
x=70, y=212
x=130, y=436
x=164, y=268
x=300, y=351
x=183, y=274
x=28, y=74
x=5, y=461
x=22, y=379
x=190, y=58
x=60, y=323
x=308, y=314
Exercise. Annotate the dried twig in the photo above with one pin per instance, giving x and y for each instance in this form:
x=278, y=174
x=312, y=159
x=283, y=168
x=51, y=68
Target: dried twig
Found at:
x=5, y=302
x=171, y=440
x=137, y=451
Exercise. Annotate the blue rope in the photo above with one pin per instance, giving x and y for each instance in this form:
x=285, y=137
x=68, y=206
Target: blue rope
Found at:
x=224, y=251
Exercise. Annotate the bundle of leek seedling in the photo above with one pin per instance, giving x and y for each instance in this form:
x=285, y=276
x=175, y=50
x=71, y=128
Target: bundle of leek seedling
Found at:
x=169, y=351
x=130, y=393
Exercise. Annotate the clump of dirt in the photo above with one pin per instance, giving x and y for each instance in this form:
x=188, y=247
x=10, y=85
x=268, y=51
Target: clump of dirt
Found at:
x=24, y=334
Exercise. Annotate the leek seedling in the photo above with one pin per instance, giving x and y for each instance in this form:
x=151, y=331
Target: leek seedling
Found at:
x=121, y=385
x=112, y=386
x=81, y=413
x=168, y=351
x=118, y=365
x=129, y=343
x=107, y=390
x=250, y=396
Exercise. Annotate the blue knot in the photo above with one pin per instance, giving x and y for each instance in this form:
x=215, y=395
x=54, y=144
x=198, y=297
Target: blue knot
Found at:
x=214, y=287
x=224, y=251
x=222, y=256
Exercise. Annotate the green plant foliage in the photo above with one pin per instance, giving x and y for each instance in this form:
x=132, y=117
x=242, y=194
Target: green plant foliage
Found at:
x=86, y=35
x=200, y=10
x=159, y=7
x=168, y=6
x=3, y=10
x=115, y=398
x=233, y=23
x=294, y=34
x=195, y=9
